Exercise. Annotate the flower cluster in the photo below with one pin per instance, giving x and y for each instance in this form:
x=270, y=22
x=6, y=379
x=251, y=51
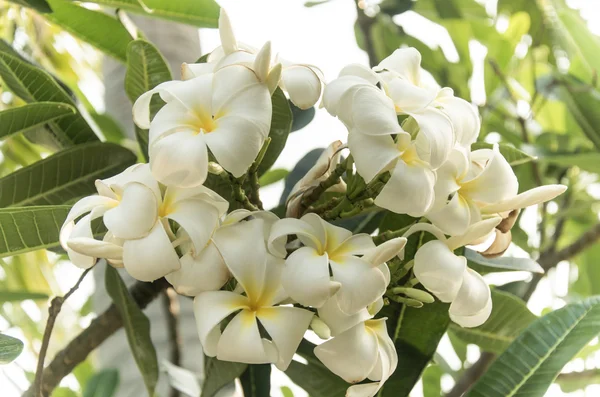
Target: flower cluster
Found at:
x=261, y=282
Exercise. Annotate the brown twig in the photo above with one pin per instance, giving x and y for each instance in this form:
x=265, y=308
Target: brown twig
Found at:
x=171, y=308
x=53, y=311
x=365, y=23
x=90, y=338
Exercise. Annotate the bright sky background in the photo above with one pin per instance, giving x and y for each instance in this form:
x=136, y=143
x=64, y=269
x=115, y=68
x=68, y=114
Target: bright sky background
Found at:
x=324, y=36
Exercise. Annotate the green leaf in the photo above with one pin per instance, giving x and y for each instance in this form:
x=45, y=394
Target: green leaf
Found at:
x=416, y=334
x=218, y=374
x=64, y=176
x=137, y=328
x=23, y=118
x=10, y=348
x=272, y=176
x=17, y=296
x=201, y=13
x=582, y=102
x=33, y=84
x=286, y=391
x=314, y=377
x=38, y=5
x=509, y=318
x=504, y=263
x=432, y=381
x=530, y=364
x=301, y=118
x=146, y=68
x=111, y=129
x=513, y=155
x=102, y=384
x=256, y=380
x=588, y=161
x=281, y=125
x=24, y=229
x=95, y=27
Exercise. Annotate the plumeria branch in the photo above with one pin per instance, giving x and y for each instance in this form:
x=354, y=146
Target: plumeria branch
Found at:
x=53, y=311
x=315, y=194
x=93, y=336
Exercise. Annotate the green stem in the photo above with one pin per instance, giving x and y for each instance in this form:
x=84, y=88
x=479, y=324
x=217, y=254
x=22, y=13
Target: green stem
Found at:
x=316, y=193
x=390, y=234
x=240, y=195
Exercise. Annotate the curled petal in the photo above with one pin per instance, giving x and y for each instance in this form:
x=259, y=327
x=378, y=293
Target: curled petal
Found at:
x=136, y=213
x=407, y=97
x=198, y=219
x=203, y=272
x=360, y=70
x=351, y=355
x=82, y=232
x=439, y=270
x=436, y=136
x=141, y=107
x=191, y=70
x=286, y=327
x=306, y=277
x=474, y=233
x=495, y=183
x=313, y=234
x=151, y=257
x=409, y=190
x=528, y=198
x=262, y=62
x=226, y=34
x=81, y=207
x=405, y=62
x=210, y=308
x=473, y=303
x=464, y=117
x=339, y=94
x=202, y=193
x=95, y=248
x=499, y=246
x=302, y=85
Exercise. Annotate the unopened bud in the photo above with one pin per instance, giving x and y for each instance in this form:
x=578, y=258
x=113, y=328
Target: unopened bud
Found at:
x=320, y=328
x=214, y=168
x=414, y=293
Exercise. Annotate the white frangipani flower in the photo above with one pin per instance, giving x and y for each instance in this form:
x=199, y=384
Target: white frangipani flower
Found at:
x=302, y=82
x=447, y=276
x=206, y=270
x=259, y=276
x=481, y=184
x=136, y=212
x=361, y=348
x=356, y=281
x=228, y=112
x=326, y=163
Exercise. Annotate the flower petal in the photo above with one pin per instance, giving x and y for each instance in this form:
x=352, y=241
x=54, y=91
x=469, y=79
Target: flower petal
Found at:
x=474, y=232
x=302, y=85
x=385, y=252
x=241, y=341
x=151, y=257
x=436, y=136
x=84, y=205
x=306, y=277
x=236, y=143
x=439, y=270
x=210, y=308
x=372, y=154
x=464, y=117
x=361, y=283
x=205, y=271
x=201, y=193
x=409, y=190
x=226, y=34
x=373, y=113
x=180, y=159
x=351, y=355
x=455, y=217
x=407, y=97
x=313, y=234
x=495, y=183
x=244, y=252
x=406, y=62
x=191, y=70
x=77, y=231
x=136, y=213
x=473, y=303
x=198, y=218
x=337, y=320
x=286, y=327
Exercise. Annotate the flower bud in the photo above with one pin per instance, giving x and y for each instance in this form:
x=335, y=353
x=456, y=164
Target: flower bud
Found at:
x=320, y=328
x=214, y=168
